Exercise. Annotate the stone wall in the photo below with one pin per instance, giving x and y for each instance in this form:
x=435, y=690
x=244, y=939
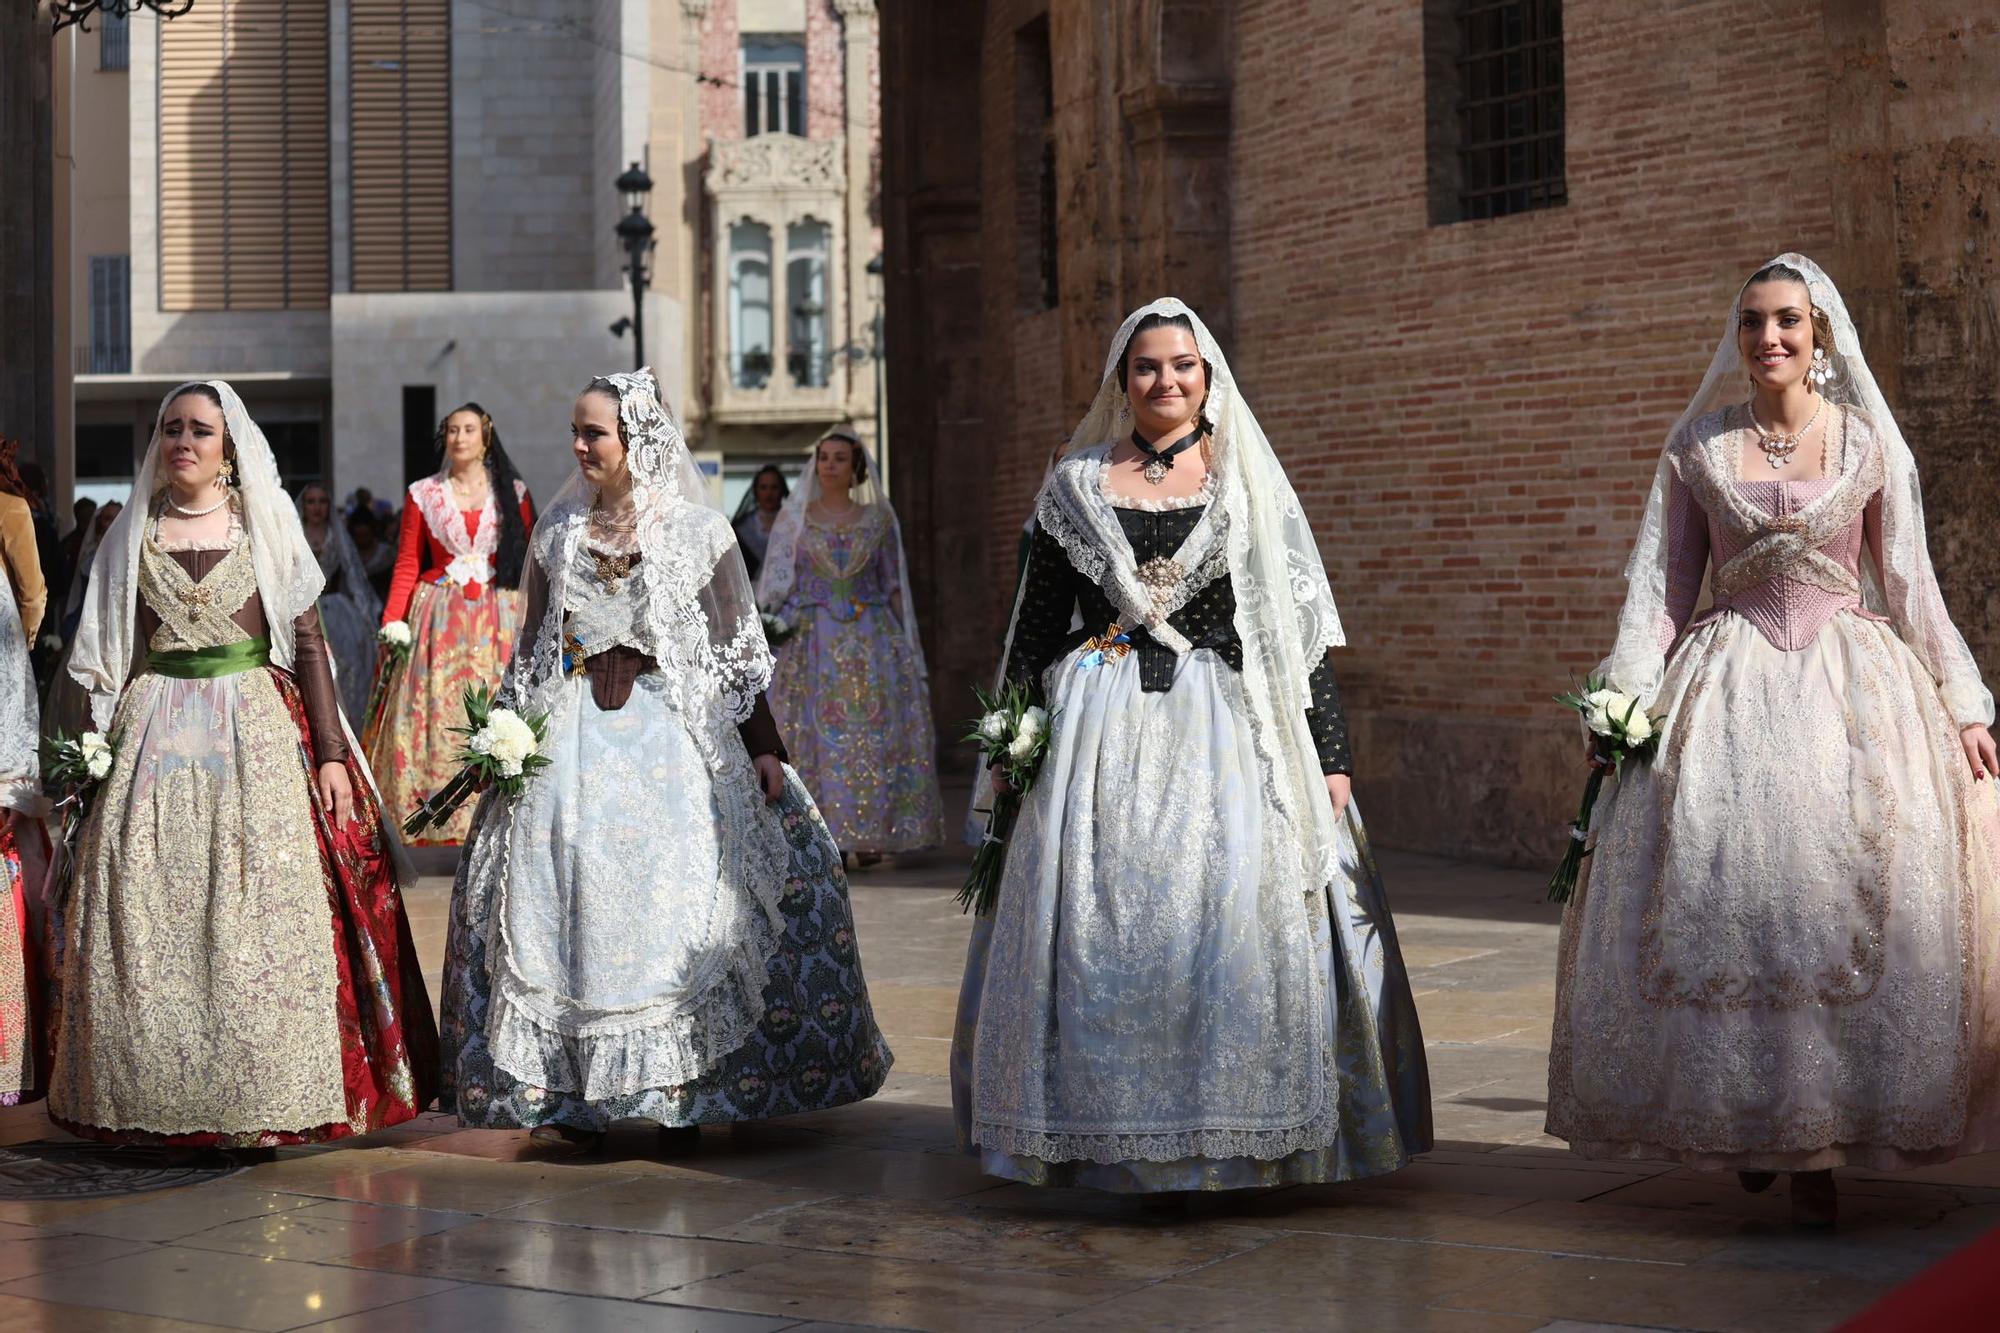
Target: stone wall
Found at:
x=525, y=178
x=1471, y=412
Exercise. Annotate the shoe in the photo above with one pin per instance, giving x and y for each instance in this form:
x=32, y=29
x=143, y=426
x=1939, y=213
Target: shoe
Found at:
x=563, y=1136
x=1756, y=1182
x=678, y=1141
x=1814, y=1201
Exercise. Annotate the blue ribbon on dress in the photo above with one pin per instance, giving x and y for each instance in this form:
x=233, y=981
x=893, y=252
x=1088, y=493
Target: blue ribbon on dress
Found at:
x=1109, y=646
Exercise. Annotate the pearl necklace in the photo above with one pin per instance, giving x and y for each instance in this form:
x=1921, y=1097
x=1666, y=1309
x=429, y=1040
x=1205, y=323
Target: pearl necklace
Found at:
x=185, y=512
x=1777, y=446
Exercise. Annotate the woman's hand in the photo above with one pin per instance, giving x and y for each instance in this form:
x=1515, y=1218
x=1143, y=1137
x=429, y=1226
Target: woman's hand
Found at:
x=1979, y=752
x=999, y=775
x=1339, y=790
x=336, y=794
x=770, y=776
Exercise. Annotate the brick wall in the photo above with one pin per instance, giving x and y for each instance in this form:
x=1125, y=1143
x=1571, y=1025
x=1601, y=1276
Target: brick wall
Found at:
x=1472, y=412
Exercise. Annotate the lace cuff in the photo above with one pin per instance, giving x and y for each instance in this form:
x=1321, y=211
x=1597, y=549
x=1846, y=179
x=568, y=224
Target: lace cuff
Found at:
x=1968, y=701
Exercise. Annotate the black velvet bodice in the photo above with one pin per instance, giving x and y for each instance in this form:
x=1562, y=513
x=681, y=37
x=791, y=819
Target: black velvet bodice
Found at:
x=1054, y=589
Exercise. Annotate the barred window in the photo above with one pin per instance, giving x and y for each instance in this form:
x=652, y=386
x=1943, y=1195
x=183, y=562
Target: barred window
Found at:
x=1494, y=102
x=110, y=314
x=114, y=41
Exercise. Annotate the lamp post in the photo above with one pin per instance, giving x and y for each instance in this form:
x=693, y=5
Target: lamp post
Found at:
x=635, y=231
x=64, y=13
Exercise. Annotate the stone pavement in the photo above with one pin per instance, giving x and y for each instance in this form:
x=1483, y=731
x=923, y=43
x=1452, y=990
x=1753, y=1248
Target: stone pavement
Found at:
x=865, y=1216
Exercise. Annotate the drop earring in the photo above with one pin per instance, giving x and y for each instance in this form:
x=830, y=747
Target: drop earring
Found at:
x=1821, y=372
x=225, y=475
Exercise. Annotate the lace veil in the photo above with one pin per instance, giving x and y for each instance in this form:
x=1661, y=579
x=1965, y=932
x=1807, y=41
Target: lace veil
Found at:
x=1285, y=613
x=288, y=573
x=1907, y=592
x=342, y=555
x=700, y=610
x=774, y=583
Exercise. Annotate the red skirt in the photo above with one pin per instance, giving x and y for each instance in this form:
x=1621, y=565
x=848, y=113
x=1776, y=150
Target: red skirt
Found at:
x=388, y=1034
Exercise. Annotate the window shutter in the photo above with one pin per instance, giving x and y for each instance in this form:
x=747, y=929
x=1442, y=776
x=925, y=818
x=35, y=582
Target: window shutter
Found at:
x=401, y=145
x=244, y=189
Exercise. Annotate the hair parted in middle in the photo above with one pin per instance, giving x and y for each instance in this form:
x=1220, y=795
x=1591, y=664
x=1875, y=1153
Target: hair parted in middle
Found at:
x=511, y=555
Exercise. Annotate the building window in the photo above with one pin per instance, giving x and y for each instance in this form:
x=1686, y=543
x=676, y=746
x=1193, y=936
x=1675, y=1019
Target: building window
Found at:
x=114, y=41
x=806, y=352
x=1494, y=107
x=774, y=85
x=111, y=314
x=750, y=331
x=244, y=175
x=1035, y=168
x=399, y=144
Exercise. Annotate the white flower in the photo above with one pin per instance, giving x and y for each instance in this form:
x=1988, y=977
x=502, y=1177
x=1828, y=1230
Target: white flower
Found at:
x=1022, y=746
x=91, y=742
x=481, y=742
x=97, y=763
x=1602, y=707
x=511, y=740
x=993, y=726
x=1035, y=721
x=1639, y=727
x=396, y=634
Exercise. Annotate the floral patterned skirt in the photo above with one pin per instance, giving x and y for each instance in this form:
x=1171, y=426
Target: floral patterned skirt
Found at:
x=855, y=712
x=817, y=1047
x=24, y=1047
x=234, y=970
x=456, y=642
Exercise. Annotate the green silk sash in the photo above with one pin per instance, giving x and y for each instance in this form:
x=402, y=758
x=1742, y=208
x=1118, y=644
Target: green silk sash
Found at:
x=209, y=663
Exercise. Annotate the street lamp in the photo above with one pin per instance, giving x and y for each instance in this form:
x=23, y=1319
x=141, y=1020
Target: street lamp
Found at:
x=66, y=12
x=635, y=231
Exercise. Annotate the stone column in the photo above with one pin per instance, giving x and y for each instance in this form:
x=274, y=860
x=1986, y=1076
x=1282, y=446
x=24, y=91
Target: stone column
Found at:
x=28, y=351
x=859, y=30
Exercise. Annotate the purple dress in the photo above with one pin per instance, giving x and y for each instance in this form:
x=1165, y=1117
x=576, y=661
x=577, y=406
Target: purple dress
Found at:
x=849, y=692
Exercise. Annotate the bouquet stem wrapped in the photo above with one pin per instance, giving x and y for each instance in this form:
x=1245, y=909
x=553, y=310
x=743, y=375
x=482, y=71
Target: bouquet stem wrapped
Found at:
x=1012, y=733
x=1620, y=730
x=501, y=750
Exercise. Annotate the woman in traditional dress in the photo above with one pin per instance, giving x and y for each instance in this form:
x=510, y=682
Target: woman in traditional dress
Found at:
x=1190, y=979
x=237, y=970
x=657, y=927
x=850, y=689
x=23, y=841
x=1785, y=957
x=348, y=608
x=757, y=513
x=466, y=529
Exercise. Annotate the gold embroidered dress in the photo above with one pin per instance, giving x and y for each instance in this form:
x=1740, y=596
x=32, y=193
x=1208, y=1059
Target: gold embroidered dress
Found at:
x=205, y=991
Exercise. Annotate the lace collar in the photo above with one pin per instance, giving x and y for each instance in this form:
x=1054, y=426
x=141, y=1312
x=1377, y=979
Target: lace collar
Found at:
x=1164, y=505
x=228, y=541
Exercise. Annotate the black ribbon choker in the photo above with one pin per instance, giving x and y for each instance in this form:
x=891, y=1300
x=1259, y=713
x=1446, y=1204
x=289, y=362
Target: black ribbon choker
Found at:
x=1159, y=462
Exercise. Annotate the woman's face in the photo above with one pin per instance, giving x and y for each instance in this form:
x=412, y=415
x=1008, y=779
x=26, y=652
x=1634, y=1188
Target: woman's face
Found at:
x=191, y=443
x=1774, y=333
x=834, y=462
x=464, y=438
x=593, y=438
x=770, y=491
x=1164, y=380
x=316, y=505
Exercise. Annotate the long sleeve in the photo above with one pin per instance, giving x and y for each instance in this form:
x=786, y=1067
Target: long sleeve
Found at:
x=409, y=559
x=760, y=732
x=24, y=565
x=1916, y=605
x=1327, y=722
x=1687, y=559
x=1048, y=598
x=310, y=664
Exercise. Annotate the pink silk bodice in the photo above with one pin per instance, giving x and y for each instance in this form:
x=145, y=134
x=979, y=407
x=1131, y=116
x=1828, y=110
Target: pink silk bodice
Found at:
x=1787, y=612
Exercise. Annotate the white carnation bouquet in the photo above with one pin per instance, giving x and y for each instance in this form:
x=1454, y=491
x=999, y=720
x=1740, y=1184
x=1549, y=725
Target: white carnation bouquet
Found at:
x=501, y=750
x=1012, y=733
x=395, y=640
x=396, y=637
x=1620, y=731
x=72, y=766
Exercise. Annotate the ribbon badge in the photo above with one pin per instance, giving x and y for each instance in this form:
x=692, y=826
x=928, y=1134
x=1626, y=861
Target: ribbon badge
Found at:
x=1109, y=646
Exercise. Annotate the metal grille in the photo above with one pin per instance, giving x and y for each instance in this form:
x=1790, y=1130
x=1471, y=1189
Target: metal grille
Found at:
x=1510, y=107
x=111, y=314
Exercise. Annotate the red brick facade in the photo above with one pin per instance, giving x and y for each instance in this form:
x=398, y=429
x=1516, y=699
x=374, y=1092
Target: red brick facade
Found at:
x=722, y=70
x=1471, y=412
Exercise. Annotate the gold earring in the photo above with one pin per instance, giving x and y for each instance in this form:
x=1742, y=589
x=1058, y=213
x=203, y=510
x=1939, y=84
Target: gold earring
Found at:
x=226, y=474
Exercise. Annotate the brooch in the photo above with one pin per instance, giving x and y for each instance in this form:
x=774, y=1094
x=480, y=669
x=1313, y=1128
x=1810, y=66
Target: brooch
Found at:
x=573, y=655
x=1109, y=646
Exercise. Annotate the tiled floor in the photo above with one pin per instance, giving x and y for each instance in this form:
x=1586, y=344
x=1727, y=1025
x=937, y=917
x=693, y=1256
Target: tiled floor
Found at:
x=865, y=1216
